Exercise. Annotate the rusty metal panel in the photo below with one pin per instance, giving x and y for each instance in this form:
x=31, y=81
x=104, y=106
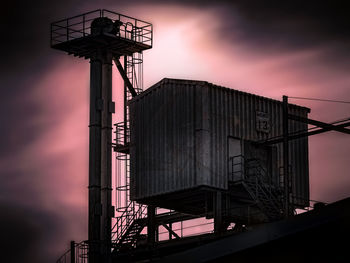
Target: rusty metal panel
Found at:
x=180, y=131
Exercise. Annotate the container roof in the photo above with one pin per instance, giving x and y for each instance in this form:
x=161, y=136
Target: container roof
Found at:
x=165, y=81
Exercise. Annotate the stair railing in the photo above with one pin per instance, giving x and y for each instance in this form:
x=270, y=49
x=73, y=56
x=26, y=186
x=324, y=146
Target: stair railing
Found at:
x=78, y=253
x=264, y=188
x=125, y=221
x=260, y=186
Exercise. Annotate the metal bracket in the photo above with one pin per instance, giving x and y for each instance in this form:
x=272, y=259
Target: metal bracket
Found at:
x=111, y=107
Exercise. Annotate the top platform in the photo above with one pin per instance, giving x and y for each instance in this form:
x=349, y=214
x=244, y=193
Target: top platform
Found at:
x=122, y=35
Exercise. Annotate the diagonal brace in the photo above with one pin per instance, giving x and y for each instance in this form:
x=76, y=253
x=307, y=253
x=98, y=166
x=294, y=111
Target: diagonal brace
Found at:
x=125, y=77
x=319, y=124
x=304, y=134
x=170, y=231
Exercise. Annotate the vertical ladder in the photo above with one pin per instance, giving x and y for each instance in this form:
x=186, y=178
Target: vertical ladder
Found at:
x=127, y=226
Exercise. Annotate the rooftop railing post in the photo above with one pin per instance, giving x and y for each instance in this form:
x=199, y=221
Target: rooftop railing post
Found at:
x=51, y=34
x=83, y=25
x=67, y=30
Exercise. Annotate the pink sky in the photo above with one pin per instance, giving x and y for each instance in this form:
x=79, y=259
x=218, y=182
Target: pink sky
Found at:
x=185, y=46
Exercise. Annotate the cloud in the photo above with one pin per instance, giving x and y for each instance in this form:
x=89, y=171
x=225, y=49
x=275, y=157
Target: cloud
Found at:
x=265, y=47
x=43, y=164
x=22, y=234
x=33, y=234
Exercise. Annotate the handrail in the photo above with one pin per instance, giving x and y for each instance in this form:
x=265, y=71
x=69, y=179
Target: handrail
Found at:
x=69, y=18
x=80, y=24
x=80, y=253
x=130, y=220
x=125, y=220
x=255, y=177
x=122, y=133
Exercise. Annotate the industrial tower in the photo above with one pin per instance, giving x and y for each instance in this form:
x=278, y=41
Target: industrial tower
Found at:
x=186, y=150
x=104, y=37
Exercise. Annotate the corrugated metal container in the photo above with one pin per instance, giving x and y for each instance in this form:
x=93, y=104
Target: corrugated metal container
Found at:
x=180, y=132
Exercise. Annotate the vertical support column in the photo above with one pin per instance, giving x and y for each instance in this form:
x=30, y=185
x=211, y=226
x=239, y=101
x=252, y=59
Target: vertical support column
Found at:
x=126, y=115
x=151, y=225
x=106, y=155
x=72, y=252
x=217, y=207
x=94, y=220
x=170, y=233
x=285, y=157
x=157, y=233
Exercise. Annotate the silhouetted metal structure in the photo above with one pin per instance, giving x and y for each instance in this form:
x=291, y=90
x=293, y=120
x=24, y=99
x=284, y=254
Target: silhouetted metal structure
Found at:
x=103, y=37
x=202, y=150
x=194, y=149
x=186, y=151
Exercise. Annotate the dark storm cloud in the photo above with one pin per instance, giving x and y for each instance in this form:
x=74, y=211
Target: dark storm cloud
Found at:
x=24, y=234
x=265, y=24
x=17, y=112
x=26, y=55
x=272, y=25
x=28, y=230
x=22, y=22
x=281, y=24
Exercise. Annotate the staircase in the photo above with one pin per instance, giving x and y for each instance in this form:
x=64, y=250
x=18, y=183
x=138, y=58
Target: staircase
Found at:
x=132, y=233
x=262, y=190
x=129, y=225
x=259, y=185
x=268, y=203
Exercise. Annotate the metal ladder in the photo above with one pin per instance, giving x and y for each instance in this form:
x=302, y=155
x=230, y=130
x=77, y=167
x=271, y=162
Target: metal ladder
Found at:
x=128, y=224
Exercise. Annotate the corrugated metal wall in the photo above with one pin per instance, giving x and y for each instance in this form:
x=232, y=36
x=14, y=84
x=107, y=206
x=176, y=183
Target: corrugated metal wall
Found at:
x=163, y=143
x=233, y=113
x=180, y=130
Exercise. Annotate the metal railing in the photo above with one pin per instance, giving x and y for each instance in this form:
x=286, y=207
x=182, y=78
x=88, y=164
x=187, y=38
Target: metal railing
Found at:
x=78, y=253
x=242, y=169
x=122, y=133
x=261, y=187
x=131, y=213
x=79, y=26
x=204, y=226
x=134, y=71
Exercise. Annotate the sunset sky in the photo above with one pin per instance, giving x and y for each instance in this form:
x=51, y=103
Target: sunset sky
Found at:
x=262, y=47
